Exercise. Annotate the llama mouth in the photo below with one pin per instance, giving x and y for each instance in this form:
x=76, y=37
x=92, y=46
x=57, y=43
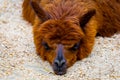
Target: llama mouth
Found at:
x=60, y=73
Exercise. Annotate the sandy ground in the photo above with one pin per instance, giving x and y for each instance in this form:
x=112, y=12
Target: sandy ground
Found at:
x=18, y=60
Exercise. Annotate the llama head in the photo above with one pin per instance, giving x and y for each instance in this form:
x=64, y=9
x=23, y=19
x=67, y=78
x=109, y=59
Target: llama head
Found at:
x=59, y=40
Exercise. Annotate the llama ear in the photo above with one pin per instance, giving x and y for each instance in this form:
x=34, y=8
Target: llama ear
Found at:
x=42, y=15
x=86, y=18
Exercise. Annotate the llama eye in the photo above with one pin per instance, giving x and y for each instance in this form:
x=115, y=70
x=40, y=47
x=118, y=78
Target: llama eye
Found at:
x=46, y=46
x=75, y=47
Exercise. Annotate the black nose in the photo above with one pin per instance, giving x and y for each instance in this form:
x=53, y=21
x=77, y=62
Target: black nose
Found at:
x=59, y=63
x=59, y=66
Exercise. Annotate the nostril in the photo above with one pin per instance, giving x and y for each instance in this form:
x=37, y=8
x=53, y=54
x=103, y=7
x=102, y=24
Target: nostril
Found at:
x=63, y=62
x=56, y=62
x=59, y=63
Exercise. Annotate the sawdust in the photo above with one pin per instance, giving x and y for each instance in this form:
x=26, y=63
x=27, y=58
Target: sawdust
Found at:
x=18, y=60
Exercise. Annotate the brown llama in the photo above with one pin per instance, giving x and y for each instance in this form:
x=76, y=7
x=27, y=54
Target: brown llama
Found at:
x=65, y=30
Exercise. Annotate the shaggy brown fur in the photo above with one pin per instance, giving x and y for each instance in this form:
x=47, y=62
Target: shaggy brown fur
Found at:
x=68, y=22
